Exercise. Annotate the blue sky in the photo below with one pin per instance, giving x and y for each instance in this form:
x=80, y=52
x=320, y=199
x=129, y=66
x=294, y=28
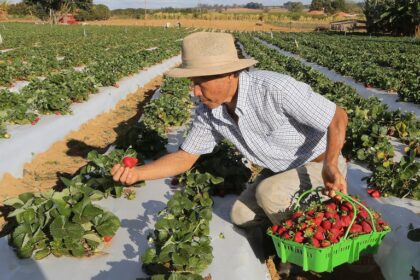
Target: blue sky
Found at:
x=115, y=4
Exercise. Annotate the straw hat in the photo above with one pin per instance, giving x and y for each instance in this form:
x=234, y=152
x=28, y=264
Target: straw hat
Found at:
x=208, y=53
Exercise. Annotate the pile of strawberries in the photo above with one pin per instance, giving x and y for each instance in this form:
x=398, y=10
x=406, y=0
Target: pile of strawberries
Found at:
x=322, y=224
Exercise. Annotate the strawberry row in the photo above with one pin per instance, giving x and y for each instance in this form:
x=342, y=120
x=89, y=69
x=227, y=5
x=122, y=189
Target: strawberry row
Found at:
x=370, y=124
x=389, y=65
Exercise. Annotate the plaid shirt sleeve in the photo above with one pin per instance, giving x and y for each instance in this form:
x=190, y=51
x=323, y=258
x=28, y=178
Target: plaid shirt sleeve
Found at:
x=300, y=102
x=201, y=138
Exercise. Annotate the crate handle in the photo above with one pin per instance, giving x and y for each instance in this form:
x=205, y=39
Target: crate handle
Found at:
x=296, y=205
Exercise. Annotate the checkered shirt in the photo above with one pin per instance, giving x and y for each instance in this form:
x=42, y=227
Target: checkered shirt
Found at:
x=282, y=123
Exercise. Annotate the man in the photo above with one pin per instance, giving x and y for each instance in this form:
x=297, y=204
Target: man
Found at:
x=274, y=120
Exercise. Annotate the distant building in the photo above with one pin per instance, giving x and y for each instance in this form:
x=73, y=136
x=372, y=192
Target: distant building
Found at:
x=348, y=25
x=67, y=19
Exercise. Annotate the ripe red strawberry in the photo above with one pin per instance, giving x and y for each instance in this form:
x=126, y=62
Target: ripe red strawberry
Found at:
x=366, y=227
x=344, y=208
x=297, y=215
x=325, y=243
x=376, y=194
x=326, y=224
x=281, y=229
x=345, y=221
x=319, y=215
x=317, y=221
x=107, y=238
x=274, y=228
x=363, y=214
x=289, y=223
x=302, y=226
x=310, y=212
x=330, y=215
x=299, y=237
x=35, y=121
x=356, y=228
x=335, y=231
x=129, y=162
x=58, y=113
x=348, y=205
x=319, y=235
x=370, y=190
x=286, y=235
x=331, y=206
x=315, y=242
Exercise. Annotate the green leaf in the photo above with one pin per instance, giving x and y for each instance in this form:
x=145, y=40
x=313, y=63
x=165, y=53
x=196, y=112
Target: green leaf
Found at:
x=148, y=256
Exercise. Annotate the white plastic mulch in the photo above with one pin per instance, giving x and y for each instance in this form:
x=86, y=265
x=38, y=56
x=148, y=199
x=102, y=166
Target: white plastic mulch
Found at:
x=28, y=140
x=387, y=98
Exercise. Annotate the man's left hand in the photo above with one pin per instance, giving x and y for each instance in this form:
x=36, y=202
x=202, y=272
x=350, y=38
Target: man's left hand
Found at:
x=333, y=180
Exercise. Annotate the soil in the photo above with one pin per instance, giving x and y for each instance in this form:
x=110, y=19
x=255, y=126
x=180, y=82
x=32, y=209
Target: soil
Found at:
x=67, y=156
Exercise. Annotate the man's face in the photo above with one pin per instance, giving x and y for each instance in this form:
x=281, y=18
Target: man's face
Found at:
x=213, y=91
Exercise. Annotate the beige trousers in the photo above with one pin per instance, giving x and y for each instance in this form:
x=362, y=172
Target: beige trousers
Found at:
x=271, y=195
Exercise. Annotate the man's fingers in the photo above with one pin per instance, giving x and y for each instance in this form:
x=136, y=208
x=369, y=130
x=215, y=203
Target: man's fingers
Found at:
x=114, y=169
x=117, y=174
x=124, y=175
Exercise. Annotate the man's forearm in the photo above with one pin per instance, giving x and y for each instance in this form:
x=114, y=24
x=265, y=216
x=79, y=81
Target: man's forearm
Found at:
x=336, y=136
x=166, y=166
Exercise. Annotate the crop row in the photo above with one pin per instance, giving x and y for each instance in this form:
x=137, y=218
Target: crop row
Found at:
x=56, y=93
x=389, y=65
x=369, y=128
x=56, y=48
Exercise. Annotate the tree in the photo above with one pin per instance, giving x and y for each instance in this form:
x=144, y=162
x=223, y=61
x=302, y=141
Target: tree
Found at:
x=252, y=5
x=295, y=7
x=316, y=5
x=52, y=9
x=399, y=17
x=338, y=5
x=19, y=9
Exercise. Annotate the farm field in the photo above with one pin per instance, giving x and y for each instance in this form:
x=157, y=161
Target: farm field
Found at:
x=67, y=211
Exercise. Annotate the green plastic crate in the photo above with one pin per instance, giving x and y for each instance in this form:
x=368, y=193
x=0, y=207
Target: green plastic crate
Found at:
x=326, y=259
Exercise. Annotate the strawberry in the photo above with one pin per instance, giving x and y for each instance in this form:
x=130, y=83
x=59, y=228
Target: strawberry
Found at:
x=376, y=194
x=58, y=113
x=309, y=232
x=303, y=225
x=35, y=121
x=116, y=85
x=325, y=243
x=299, y=237
x=129, y=162
x=326, y=224
x=348, y=205
x=289, y=223
x=274, y=228
x=107, y=238
x=331, y=207
x=281, y=230
x=317, y=221
x=344, y=208
x=315, y=242
x=319, y=235
x=366, y=227
x=297, y=215
x=319, y=215
x=329, y=215
x=286, y=235
x=345, y=221
x=356, y=228
x=363, y=214
x=310, y=212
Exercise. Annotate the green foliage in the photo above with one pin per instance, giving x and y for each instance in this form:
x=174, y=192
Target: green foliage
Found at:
x=180, y=240
x=370, y=123
x=225, y=162
x=60, y=223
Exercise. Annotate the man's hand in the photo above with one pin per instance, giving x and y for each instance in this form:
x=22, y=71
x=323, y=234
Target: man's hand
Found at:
x=333, y=180
x=125, y=175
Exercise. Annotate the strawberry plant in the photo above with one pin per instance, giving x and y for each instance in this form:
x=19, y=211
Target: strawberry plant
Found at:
x=180, y=241
x=96, y=174
x=60, y=223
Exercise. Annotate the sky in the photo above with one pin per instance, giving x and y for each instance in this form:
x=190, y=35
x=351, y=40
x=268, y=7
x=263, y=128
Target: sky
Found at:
x=154, y=4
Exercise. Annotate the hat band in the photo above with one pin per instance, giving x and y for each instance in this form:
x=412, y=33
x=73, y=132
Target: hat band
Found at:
x=208, y=61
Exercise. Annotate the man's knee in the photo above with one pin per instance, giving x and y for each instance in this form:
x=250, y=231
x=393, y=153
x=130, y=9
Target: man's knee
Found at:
x=272, y=196
x=241, y=214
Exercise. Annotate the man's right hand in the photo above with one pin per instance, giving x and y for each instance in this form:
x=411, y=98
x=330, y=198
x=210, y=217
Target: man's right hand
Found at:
x=125, y=175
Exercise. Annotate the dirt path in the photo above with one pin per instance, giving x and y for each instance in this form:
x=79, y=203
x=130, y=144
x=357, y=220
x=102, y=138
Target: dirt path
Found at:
x=65, y=157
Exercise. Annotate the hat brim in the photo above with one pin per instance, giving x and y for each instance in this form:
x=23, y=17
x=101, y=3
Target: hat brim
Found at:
x=240, y=64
